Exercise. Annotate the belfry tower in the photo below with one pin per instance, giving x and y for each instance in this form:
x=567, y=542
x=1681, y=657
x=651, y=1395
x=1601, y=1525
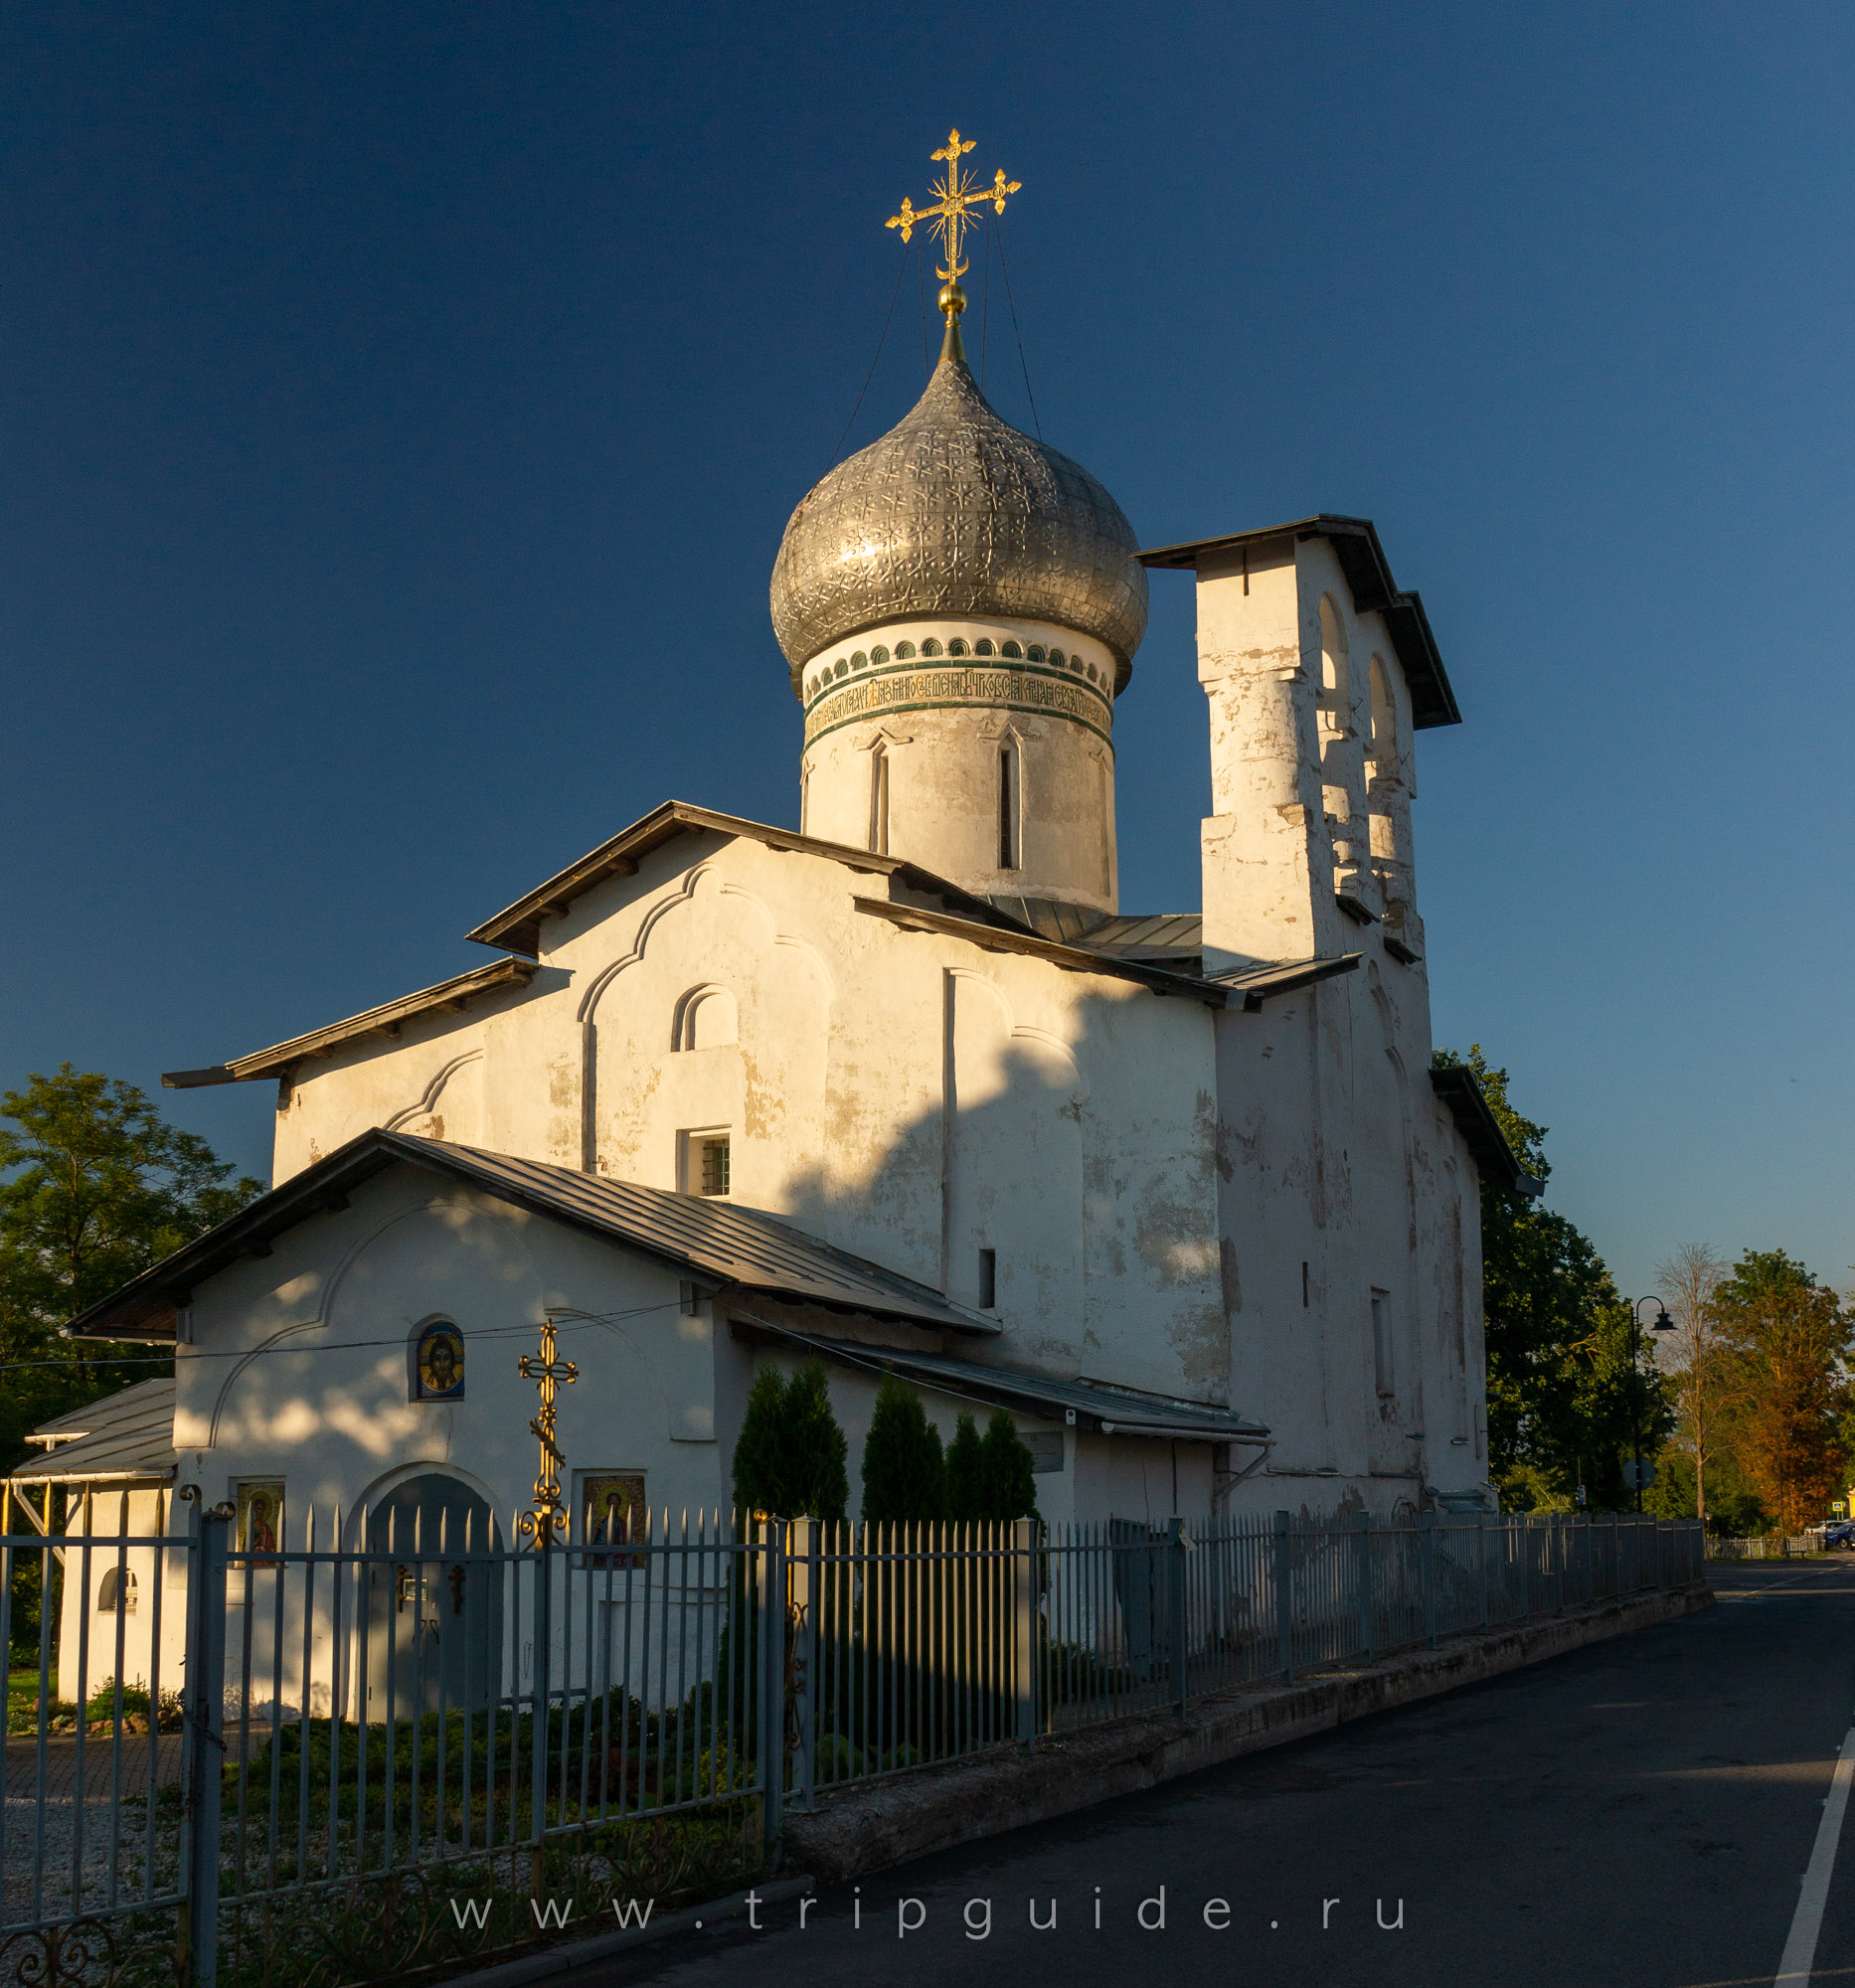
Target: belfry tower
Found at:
x=961, y=606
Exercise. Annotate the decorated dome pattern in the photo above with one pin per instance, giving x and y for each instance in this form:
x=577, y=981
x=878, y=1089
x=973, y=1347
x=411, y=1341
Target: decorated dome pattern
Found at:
x=954, y=513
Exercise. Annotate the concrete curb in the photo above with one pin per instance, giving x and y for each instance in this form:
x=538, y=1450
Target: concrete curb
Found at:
x=889, y=1822
x=574, y=1953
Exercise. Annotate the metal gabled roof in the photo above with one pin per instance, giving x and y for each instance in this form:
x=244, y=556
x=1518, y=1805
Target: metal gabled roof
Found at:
x=714, y=1242
x=455, y=994
x=1481, y=1131
x=740, y=1247
x=1150, y=936
x=96, y=1417
x=519, y=925
x=1080, y=957
x=1093, y=1406
x=126, y=1435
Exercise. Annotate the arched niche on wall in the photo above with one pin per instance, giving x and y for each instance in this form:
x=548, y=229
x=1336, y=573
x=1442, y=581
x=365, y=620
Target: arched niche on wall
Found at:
x=1335, y=682
x=116, y=1590
x=1383, y=754
x=706, y=1019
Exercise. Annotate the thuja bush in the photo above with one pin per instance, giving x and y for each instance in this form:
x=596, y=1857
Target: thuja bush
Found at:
x=904, y=1471
x=990, y=1477
x=791, y=1454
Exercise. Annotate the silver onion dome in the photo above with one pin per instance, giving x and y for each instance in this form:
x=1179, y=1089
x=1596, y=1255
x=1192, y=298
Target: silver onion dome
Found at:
x=955, y=512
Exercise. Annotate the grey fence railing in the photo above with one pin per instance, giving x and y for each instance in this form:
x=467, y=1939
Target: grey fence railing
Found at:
x=918, y=1643
x=1766, y=1547
x=364, y=1755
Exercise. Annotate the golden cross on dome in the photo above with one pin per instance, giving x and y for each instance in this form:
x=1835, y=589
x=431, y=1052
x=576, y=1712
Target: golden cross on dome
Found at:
x=956, y=193
x=549, y=1514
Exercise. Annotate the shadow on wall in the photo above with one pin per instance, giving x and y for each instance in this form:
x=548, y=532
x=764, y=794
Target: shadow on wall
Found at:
x=1068, y=1187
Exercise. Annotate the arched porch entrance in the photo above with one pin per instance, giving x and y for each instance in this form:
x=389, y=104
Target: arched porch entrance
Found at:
x=435, y=1601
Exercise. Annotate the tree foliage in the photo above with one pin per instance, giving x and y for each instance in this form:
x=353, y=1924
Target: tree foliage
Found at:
x=1784, y=1338
x=904, y=1470
x=990, y=1477
x=966, y=1470
x=1734, y=1508
x=99, y=1187
x=1563, y=1403
x=789, y=1458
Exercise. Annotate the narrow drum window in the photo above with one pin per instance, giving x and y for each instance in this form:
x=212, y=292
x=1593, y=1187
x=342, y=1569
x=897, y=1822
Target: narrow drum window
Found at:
x=1381, y=1344
x=879, y=800
x=1009, y=809
x=988, y=1280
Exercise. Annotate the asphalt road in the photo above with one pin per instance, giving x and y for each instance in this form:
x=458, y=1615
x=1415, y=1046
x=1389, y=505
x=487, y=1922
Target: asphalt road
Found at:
x=1640, y=1814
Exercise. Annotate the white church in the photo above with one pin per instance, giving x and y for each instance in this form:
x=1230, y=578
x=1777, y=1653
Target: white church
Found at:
x=906, y=1088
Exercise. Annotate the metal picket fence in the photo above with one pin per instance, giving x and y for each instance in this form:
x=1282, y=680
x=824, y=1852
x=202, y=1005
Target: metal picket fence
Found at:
x=284, y=1765
x=918, y=1643
x=288, y=1766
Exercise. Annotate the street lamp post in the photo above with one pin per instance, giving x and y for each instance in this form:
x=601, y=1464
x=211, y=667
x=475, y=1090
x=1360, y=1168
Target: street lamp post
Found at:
x=1663, y=1323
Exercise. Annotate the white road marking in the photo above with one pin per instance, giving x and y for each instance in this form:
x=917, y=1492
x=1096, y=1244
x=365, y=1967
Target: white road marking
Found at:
x=1794, y=1971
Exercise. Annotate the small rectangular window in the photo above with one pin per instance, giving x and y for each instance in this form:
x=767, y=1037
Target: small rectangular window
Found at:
x=715, y=1166
x=1381, y=1344
x=1303, y=1286
x=988, y=1280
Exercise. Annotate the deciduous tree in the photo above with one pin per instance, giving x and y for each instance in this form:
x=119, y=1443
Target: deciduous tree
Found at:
x=1691, y=1276
x=1563, y=1402
x=1787, y=1337
x=99, y=1187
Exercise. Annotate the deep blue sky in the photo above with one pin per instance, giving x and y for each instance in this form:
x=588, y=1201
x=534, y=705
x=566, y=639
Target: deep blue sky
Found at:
x=402, y=405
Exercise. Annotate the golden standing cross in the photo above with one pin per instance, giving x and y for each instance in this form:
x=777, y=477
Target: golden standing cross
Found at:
x=549, y=1514
x=948, y=216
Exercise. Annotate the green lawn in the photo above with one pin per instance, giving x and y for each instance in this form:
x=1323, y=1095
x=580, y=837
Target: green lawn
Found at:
x=22, y=1702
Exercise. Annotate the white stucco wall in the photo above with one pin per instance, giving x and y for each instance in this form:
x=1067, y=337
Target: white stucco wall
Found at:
x=904, y=1095
x=140, y=1644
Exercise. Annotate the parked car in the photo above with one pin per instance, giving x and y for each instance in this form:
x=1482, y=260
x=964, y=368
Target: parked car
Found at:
x=1839, y=1536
